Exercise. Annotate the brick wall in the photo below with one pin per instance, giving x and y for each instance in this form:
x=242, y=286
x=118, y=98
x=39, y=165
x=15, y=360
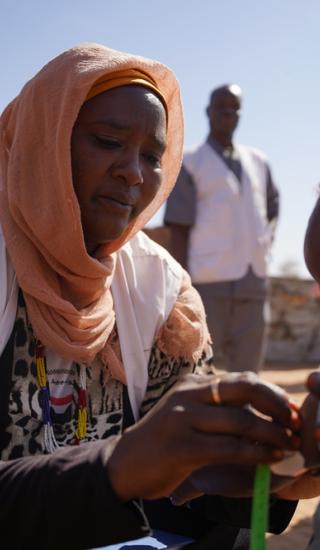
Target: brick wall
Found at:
x=294, y=332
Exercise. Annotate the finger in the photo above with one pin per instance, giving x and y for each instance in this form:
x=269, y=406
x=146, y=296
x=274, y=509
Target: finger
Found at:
x=240, y=422
x=184, y=493
x=225, y=449
x=226, y=480
x=247, y=388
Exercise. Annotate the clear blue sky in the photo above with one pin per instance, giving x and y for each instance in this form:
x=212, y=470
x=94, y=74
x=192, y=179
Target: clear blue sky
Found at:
x=271, y=49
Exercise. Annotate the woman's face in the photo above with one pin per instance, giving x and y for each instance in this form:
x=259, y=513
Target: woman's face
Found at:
x=116, y=148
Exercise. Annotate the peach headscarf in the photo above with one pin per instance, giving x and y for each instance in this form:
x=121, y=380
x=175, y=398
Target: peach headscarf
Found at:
x=67, y=292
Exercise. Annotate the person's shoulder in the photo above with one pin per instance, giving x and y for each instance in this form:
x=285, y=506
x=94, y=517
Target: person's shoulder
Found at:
x=142, y=246
x=193, y=158
x=253, y=152
x=194, y=151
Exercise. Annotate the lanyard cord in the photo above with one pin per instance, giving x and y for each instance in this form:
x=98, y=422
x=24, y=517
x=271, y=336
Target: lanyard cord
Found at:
x=260, y=507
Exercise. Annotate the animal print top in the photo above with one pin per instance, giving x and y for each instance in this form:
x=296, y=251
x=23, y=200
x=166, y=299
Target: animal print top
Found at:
x=23, y=427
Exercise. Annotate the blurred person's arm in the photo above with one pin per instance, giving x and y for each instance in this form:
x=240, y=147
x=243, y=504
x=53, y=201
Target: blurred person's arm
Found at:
x=273, y=203
x=180, y=216
x=312, y=243
x=179, y=243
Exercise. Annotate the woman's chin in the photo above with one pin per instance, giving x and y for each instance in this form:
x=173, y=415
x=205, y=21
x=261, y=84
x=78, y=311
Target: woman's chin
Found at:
x=104, y=239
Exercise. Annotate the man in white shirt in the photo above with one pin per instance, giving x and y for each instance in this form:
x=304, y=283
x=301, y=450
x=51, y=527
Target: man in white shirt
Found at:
x=222, y=214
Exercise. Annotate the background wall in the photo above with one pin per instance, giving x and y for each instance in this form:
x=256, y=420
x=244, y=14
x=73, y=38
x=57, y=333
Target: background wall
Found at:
x=294, y=330
x=294, y=333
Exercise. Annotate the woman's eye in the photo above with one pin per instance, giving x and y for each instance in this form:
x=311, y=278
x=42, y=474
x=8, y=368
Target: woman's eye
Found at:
x=154, y=160
x=107, y=142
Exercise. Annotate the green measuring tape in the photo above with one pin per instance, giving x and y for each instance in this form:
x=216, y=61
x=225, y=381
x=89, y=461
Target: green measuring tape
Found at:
x=260, y=507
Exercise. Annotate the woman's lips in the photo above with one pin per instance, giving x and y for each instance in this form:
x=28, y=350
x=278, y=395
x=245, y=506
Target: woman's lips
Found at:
x=115, y=204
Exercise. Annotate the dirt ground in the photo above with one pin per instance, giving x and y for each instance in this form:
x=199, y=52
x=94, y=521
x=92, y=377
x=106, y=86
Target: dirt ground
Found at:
x=297, y=535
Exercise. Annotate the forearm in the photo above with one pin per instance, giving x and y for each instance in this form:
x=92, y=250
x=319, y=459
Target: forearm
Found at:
x=179, y=243
x=64, y=497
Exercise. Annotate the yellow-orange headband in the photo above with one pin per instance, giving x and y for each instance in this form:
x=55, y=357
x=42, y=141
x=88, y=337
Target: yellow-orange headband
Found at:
x=127, y=77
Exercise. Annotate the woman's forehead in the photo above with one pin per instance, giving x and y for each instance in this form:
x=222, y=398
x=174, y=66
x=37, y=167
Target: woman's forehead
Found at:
x=126, y=94
x=117, y=104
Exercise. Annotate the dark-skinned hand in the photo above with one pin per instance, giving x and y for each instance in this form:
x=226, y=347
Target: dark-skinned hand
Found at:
x=308, y=484
x=186, y=431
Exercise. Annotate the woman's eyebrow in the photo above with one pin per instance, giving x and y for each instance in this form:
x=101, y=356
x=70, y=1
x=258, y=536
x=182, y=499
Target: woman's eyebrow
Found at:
x=117, y=125
x=112, y=123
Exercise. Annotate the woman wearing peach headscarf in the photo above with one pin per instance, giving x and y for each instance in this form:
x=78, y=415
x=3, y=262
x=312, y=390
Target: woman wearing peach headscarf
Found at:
x=98, y=322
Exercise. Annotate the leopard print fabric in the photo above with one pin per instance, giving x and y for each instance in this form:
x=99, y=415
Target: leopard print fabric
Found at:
x=24, y=431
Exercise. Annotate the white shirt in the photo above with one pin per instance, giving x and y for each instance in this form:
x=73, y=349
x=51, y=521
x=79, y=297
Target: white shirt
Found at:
x=145, y=288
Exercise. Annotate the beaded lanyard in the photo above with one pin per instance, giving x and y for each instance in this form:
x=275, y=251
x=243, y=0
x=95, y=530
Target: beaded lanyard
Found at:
x=49, y=440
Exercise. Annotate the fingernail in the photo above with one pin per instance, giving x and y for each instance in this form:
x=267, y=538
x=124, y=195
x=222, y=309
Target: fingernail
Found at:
x=295, y=420
x=294, y=405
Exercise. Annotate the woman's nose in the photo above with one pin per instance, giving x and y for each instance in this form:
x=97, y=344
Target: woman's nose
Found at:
x=129, y=168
